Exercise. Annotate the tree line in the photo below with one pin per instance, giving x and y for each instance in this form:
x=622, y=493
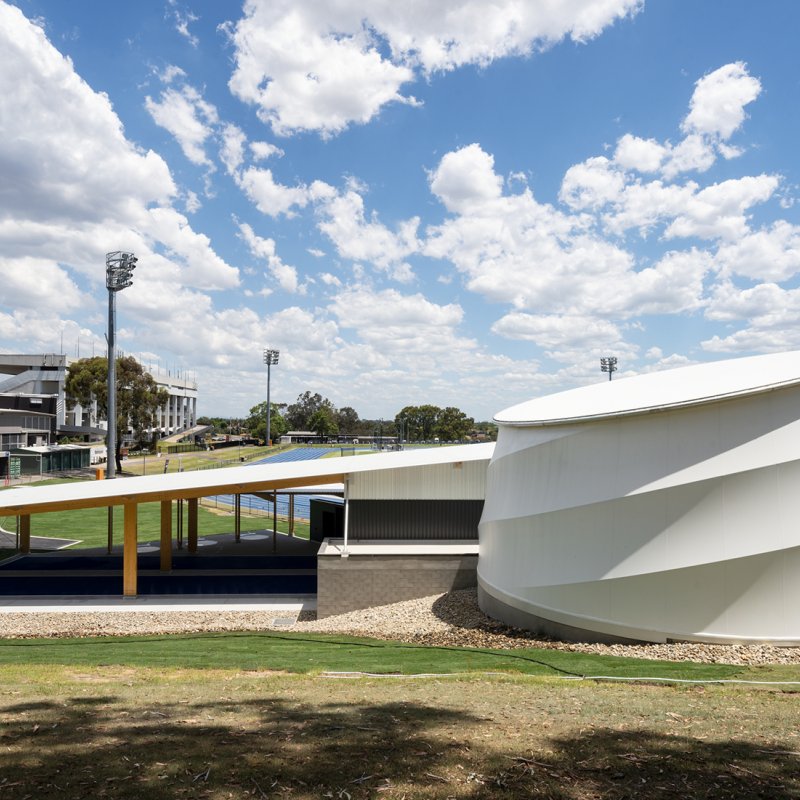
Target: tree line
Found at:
x=139, y=399
x=315, y=413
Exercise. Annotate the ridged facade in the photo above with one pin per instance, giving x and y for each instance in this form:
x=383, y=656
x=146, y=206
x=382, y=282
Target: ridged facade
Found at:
x=676, y=524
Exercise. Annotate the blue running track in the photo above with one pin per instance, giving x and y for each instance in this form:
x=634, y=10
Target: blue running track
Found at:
x=302, y=504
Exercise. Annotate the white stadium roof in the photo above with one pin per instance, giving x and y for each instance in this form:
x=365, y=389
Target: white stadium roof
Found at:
x=659, y=391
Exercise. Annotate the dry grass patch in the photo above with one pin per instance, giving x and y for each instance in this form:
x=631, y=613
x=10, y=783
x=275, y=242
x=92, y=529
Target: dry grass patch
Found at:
x=147, y=733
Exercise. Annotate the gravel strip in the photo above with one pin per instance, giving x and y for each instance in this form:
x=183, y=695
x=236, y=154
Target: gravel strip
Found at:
x=449, y=620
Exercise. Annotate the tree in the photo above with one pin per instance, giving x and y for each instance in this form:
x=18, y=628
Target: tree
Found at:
x=256, y=423
x=347, y=420
x=423, y=423
x=298, y=415
x=453, y=424
x=419, y=422
x=322, y=422
x=138, y=395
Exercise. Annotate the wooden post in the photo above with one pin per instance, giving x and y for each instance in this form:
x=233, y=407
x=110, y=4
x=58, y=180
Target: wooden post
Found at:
x=291, y=515
x=193, y=525
x=166, y=535
x=25, y=533
x=130, y=567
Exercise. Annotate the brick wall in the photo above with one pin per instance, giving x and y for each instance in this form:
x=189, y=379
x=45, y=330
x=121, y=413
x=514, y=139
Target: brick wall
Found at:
x=365, y=581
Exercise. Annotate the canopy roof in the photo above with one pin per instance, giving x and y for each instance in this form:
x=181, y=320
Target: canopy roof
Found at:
x=659, y=391
x=237, y=480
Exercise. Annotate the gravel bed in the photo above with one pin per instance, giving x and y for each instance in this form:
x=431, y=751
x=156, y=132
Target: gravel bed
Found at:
x=449, y=620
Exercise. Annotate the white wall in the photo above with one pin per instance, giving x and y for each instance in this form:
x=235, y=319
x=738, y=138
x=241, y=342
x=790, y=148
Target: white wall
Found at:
x=681, y=524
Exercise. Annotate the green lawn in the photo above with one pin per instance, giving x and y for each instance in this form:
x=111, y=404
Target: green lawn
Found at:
x=304, y=653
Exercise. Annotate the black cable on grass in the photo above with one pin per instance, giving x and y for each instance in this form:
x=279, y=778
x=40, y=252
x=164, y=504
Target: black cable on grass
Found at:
x=282, y=637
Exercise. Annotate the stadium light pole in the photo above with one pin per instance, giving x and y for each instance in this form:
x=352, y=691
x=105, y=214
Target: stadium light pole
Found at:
x=609, y=365
x=119, y=273
x=270, y=358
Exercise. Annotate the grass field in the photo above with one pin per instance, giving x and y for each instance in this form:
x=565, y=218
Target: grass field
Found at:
x=165, y=732
x=91, y=525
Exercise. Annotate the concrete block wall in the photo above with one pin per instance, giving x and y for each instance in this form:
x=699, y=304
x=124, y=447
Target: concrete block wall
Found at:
x=366, y=581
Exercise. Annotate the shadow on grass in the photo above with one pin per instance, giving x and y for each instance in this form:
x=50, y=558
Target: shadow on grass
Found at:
x=280, y=746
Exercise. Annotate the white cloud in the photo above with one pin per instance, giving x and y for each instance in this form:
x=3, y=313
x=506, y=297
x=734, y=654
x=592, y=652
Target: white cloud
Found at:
x=192, y=203
x=771, y=254
x=264, y=249
x=466, y=178
x=188, y=117
x=592, y=184
x=63, y=153
x=329, y=280
x=646, y=205
x=170, y=72
x=232, y=151
x=274, y=198
x=359, y=239
x=643, y=155
x=36, y=283
x=694, y=154
x=717, y=105
x=64, y=156
x=321, y=66
x=303, y=76
x=203, y=268
x=553, y=331
x=264, y=150
x=182, y=18
x=719, y=211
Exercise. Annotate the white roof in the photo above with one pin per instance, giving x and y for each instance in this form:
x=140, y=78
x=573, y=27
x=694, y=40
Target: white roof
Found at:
x=659, y=391
x=244, y=480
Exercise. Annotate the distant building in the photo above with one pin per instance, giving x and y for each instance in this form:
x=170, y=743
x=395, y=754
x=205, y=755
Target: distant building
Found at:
x=34, y=405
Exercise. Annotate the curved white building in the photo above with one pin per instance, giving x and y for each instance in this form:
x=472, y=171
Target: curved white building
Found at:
x=664, y=506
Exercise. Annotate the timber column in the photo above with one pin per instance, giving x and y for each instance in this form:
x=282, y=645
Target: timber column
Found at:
x=130, y=567
x=25, y=533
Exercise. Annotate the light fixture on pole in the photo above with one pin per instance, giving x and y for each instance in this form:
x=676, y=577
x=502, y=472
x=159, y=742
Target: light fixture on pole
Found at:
x=609, y=365
x=270, y=358
x=119, y=273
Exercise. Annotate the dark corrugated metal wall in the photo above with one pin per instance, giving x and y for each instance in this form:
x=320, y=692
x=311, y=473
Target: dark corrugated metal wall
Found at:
x=414, y=519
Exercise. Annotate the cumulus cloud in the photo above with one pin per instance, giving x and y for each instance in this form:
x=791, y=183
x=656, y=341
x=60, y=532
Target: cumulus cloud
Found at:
x=568, y=274
x=769, y=254
x=717, y=105
x=357, y=238
x=64, y=156
x=273, y=198
x=284, y=274
x=188, y=117
x=321, y=66
x=466, y=178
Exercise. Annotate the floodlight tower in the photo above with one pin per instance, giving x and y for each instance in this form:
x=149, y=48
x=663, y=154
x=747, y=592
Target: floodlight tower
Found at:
x=609, y=365
x=270, y=358
x=119, y=273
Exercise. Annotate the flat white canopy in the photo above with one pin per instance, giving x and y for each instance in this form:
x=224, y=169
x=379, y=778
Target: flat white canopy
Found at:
x=238, y=480
x=659, y=391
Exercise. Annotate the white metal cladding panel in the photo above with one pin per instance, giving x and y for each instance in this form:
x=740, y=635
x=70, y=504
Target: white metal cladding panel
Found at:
x=680, y=524
x=458, y=481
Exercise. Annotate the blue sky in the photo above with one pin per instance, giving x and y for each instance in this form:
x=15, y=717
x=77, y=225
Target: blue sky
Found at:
x=460, y=203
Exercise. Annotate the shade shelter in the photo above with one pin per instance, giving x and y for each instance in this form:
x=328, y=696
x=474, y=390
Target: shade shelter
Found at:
x=191, y=486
